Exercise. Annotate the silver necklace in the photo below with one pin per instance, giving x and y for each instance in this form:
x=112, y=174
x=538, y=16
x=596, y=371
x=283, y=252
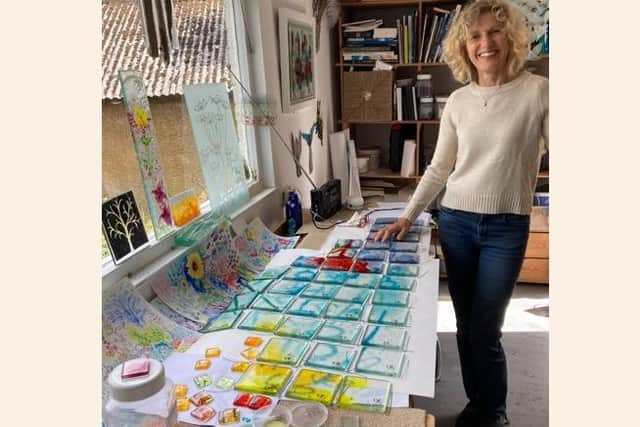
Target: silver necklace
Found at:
x=486, y=98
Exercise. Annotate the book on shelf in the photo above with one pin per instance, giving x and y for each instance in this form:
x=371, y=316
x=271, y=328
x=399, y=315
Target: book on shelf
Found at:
x=358, y=26
x=369, y=56
x=357, y=42
x=434, y=25
x=385, y=33
x=424, y=35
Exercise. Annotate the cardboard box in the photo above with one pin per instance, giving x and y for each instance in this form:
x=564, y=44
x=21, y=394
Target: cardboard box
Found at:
x=367, y=96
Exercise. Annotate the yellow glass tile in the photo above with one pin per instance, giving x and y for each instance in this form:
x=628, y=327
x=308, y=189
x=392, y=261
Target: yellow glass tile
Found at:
x=182, y=404
x=212, y=352
x=202, y=364
x=181, y=390
x=253, y=341
x=250, y=353
x=229, y=416
x=239, y=366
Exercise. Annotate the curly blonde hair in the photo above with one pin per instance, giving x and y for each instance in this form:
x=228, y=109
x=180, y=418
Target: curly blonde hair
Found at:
x=454, y=45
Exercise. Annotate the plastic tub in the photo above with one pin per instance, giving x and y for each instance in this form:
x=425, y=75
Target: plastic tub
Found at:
x=363, y=164
x=279, y=417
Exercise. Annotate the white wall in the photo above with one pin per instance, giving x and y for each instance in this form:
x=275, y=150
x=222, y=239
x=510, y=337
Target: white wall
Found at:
x=263, y=17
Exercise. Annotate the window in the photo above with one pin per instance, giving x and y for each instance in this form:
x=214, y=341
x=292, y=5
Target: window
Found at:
x=208, y=48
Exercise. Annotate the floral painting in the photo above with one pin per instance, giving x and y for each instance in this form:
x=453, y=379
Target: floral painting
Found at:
x=296, y=60
x=138, y=113
x=122, y=226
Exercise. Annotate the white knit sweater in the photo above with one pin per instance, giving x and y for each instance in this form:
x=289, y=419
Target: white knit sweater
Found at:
x=494, y=137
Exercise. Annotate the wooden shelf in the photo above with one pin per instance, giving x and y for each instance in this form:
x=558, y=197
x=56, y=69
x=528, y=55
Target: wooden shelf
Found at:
x=544, y=174
x=386, y=174
x=392, y=3
x=391, y=122
x=395, y=66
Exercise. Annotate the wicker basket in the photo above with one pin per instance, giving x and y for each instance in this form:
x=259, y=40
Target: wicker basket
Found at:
x=367, y=95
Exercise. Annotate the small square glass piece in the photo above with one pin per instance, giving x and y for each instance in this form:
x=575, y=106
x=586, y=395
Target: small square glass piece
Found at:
x=242, y=301
x=202, y=364
x=308, y=307
x=339, y=331
x=372, y=255
x=229, y=416
x=299, y=327
x=273, y=272
x=398, y=283
x=342, y=253
x=201, y=398
x=212, y=352
x=314, y=385
x=288, y=287
x=318, y=290
x=202, y=381
x=388, y=315
x=344, y=310
x=404, y=258
x=368, y=267
x=348, y=243
x=259, y=402
x=224, y=321
x=239, y=366
x=331, y=356
x=372, y=244
x=363, y=280
x=224, y=383
x=183, y=404
x=353, y=295
x=203, y=413
x=259, y=285
x=249, y=353
x=329, y=276
x=301, y=273
x=180, y=390
x=364, y=394
x=403, y=270
x=403, y=247
x=283, y=350
x=261, y=321
x=308, y=261
x=384, y=336
x=273, y=302
x=242, y=399
x=380, y=362
x=253, y=341
x=391, y=297
x=135, y=368
x=339, y=264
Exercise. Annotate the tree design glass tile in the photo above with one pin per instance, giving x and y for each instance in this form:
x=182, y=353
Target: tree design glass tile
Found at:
x=317, y=290
x=329, y=276
x=288, y=287
x=331, y=356
x=272, y=302
x=283, y=350
x=226, y=320
x=308, y=261
x=301, y=273
x=264, y=379
x=410, y=270
x=344, y=311
x=261, y=321
x=363, y=280
x=259, y=285
x=122, y=226
x=364, y=394
x=342, y=253
x=371, y=255
x=387, y=315
x=391, y=297
x=273, y=272
x=308, y=307
x=339, y=331
x=404, y=258
x=397, y=283
x=353, y=295
x=384, y=336
x=380, y=362
x=299, y=327
x=242, y=301
x=315, y=386
x=403, y=247
x=361, y=266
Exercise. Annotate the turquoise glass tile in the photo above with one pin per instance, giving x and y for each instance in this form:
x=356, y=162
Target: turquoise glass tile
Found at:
x=363, y=280
x=344, y=311
x=352, y=295
x=380, y=362
x=259, y=285
x=301, y=273
x=385, y=337
x=330, y=276
x=317, y=290
x=226, y=320
x=288, y=287
x=299, y=327
x=388, y=315
x=411, y=270
x=308, y=307
x=397, y=283
x=273, y=302
x=331, y=356
x=263, y=321
x=242, y=301
x=273, y=272
x=339, y=331
x=391, y=297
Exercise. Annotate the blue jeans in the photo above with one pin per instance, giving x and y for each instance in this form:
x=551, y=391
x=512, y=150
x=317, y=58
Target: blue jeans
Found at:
x=483, y=254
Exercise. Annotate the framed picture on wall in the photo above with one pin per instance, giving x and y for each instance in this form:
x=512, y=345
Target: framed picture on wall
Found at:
x=297, y=61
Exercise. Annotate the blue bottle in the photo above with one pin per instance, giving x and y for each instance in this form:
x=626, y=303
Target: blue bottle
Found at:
x=293, y=212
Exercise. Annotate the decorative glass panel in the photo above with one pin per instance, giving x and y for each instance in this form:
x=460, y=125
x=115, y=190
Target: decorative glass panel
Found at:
x=380, y=362
x=353, y=295
x=299, y=273
x=314, y=385
x=364, y=394
x=283, y=350
x=403, y=270
x=388, y=315
x=261, y=321
x=308, y=307
x=317, y=290
x=397, y=283
x=344, y=310
x=288, y=287
x=299, y=327
x=391, y=297
x=331, y=356
x=339, y=331
x=363, y=280
x=384, y=336
x=273, y=302
x=328, y=276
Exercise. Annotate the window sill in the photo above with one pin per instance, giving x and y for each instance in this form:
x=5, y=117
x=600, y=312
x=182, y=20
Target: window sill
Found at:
x=158, y=254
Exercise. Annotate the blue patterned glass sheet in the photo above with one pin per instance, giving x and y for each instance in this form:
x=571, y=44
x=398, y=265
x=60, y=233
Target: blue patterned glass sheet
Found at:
x=283, y=350
x=342, y=252
x=403, y=270
x=308, y=307
x=398, y=283
x=263, y=321
x=391, y=297
x=330, y=276
x=386, y=220
x=344, y=311
x=403, y=247
x=377, y=245
x=224, y=321
x=380, y=362
x=353, y=295
x=288, y=287
x=242, y=301
x=363, y=280
x=404, y=258
x=299, y=327
x=384, y=336
x=339, y=331
x=308, y=261
x=273, y=302
x=273, y=272
x=259, y=285
x=216, y=140
x=331, y=356
x=387, y=315
x=372, y=255
x=317, y=290
x=410, y=237
x=348, y=243
x=300, y=273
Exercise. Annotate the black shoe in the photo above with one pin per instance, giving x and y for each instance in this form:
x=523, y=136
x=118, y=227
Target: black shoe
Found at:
x=500, y=421
x=468, y=417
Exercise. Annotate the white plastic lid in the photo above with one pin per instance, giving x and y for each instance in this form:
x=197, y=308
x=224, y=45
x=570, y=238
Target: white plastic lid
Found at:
x=441, y=98
x=131, y=389
x=309, y=415
x=423, y=77
x=425, y=100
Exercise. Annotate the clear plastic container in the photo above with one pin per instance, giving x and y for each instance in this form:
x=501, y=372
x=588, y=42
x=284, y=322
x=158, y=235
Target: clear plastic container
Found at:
x=141, y=401
x=440, y=102
x=424, y=89
x=426, y=109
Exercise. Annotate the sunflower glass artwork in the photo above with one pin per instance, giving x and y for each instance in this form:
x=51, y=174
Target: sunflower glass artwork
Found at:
x=283, y=350
x=261, y=321
x=315, y=386
x=339, y=331
x=380, y=362
x=264, y=379
x=364, y=394
x=331, y=356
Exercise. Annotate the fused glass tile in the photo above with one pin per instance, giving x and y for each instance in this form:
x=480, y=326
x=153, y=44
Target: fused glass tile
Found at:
x=180, y=390
x=397, y=283
x=229, y=416
x=372, y=255
x=371, y=244
x=201, y=398
x=364, y=394
x=339, y=331
x=226, y=320
x=403, y=247
x=317, y=290
x=135, y=368
x=242, y=301
x=314, y=385
x=353, y=295
x=288, y=287
x=182, y=404
x=299, y=327
x=202, y=364
x=410, y=237
x=363, y=280
x=272, y=302
x=239, y=366
x=403, y=270
x=338, y=264
x=372, y=234
x=328, y=276
x=242, y=399
x=377, y=227
x=391, y=297
x=384, y=336
x=202, y=381
x=380, y=362
x=250, y=353
x=301, y=273
x=273, y=272
x=212, y=352
x=348, y=243
x=259, y=402
x=344, y=310
x=331, y=356
x=404, y=258
x=368, y=266
x=342, y=253
x=308, y=261
x=259, y=285
x=308, y=307
x=283, y=350
x=261, y=321
x=224, y=383
x=253, y=341
x=387, y=315
x=265, y=379
x=386, y=220
x=203, y=413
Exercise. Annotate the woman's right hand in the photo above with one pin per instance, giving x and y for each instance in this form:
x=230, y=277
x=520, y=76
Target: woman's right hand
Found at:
x=398, y=229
